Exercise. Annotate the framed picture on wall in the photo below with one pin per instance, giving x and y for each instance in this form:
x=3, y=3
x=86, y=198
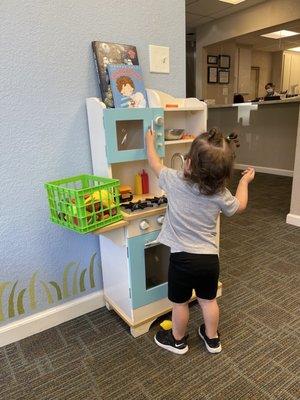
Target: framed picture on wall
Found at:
x=212, y=75
x=223, y=76
x=224, y=61
x=212, y=59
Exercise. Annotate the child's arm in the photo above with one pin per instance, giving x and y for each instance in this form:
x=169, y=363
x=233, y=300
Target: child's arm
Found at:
x=154, y=160
x=242, y=189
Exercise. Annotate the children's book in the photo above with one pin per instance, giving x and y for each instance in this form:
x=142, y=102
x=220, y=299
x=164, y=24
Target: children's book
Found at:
x=111, y=53
x=127, y=86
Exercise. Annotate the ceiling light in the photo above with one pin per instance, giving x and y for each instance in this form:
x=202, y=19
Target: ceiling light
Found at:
x=280, y=34
x=232, y=1
x=294, y=49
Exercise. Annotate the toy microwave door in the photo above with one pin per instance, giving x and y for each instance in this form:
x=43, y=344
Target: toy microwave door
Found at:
x=125, y=133
x=149, y=264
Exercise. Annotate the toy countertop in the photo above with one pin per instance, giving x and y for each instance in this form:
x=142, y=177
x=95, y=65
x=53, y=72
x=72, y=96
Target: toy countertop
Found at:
x=111, y=227
x=295, y=99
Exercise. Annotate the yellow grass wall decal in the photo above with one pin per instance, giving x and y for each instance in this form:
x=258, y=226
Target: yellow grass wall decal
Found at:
x=16, y=300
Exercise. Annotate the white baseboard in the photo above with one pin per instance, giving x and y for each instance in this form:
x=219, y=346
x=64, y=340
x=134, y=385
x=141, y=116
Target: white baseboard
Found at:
x=43, y=320
x=293, y=219
x=267, y=170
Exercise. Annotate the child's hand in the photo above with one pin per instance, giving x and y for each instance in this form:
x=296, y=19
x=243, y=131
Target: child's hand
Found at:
x=248, y=175
x=150, y=137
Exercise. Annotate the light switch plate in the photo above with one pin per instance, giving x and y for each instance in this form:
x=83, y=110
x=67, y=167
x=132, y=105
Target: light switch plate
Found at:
x=159, y=59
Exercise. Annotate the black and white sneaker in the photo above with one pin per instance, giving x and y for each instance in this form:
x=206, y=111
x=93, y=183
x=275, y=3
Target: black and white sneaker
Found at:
x=212, y=345
x=166, y=340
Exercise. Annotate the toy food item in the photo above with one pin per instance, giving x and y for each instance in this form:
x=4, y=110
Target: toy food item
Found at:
x=100, y=196
x=89, y=218
x=106, y=214
x=93, y=206
x=145, y=182
x=125, y=193
x=62, y=216
x=188, y=136
x=138, y=184
x=171, y=105
x=166, y=325
x=99, y=205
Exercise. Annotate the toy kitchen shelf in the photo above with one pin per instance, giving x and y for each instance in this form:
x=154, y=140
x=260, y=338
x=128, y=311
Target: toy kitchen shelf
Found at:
x=181, y=141
x=134, y=264
x=179, y=113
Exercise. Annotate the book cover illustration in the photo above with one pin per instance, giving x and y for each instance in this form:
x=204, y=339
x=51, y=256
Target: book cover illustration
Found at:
x=106, y=53
x=127, y=86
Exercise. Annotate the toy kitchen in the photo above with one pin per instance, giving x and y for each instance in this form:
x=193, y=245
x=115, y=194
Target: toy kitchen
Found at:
x=134, y=264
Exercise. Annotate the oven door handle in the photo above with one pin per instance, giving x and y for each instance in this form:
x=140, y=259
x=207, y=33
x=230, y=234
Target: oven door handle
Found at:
x=151, y=244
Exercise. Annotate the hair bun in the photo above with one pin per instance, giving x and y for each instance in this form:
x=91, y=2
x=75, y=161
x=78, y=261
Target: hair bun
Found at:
x=215, y=136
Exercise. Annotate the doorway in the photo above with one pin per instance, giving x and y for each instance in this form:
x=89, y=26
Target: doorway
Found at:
x=190, y=68
x=254, y=83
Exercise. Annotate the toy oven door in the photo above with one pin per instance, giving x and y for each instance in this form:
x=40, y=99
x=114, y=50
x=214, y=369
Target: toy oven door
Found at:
x=149, y=264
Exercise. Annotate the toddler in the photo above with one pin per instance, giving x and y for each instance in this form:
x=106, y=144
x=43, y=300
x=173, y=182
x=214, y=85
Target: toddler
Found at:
x=195, y=198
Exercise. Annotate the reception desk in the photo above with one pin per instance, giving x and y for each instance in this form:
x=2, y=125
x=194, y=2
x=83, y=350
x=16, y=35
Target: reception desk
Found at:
x=269, y=134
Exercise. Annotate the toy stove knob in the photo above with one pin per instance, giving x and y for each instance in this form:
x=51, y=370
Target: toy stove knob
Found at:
x=160, y=219
x=144, y=224
x=159, y=121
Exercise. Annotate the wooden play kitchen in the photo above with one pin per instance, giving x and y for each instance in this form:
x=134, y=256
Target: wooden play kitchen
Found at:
x=134, y=264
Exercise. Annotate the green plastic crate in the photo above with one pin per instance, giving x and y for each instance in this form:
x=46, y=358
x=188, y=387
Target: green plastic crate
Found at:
x=84, y=203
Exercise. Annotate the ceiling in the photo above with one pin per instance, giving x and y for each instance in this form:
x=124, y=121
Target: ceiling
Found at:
x=266, y=44
x=199, y=12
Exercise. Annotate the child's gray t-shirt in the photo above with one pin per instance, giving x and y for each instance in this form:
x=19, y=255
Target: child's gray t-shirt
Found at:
x=191, y=217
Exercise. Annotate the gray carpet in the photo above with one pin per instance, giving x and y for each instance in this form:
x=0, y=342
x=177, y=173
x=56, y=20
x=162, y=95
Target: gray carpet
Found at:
x=94, y=356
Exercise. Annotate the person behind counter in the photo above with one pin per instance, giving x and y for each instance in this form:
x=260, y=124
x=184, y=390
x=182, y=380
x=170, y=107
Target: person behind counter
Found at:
x=238, y=98
x=270, y=89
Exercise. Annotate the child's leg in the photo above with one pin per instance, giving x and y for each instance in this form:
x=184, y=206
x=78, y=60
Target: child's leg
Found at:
x=180, y=319
x=210, y=311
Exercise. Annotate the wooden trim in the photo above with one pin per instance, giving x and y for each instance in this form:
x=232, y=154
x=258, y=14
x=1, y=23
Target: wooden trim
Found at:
x=38, y=322
x=293, y=219
x=143, y=214
x=267, y=170
x=111, y=227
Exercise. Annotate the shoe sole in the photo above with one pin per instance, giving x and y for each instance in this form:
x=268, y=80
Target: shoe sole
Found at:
x=171, y=348
x=213, y=350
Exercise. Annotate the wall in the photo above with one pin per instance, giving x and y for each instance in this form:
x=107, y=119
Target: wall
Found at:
x=222, y=93
x=290, y=72
x=285, y=71
x=240, y=68
x=277, y=69
x=190, y=68
x=46, y=73
x=243, y=61
x=270, y=65
x=263, y=60
x=294, y=216
x=261, y=16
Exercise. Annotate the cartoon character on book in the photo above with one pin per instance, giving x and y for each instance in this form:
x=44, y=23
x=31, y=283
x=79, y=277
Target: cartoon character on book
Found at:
x=131, y=99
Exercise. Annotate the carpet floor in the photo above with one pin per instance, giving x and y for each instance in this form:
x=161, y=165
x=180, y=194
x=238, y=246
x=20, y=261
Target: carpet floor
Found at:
x=94, y=357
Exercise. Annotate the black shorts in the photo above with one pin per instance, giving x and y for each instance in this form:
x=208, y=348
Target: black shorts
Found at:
x=192, y=271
